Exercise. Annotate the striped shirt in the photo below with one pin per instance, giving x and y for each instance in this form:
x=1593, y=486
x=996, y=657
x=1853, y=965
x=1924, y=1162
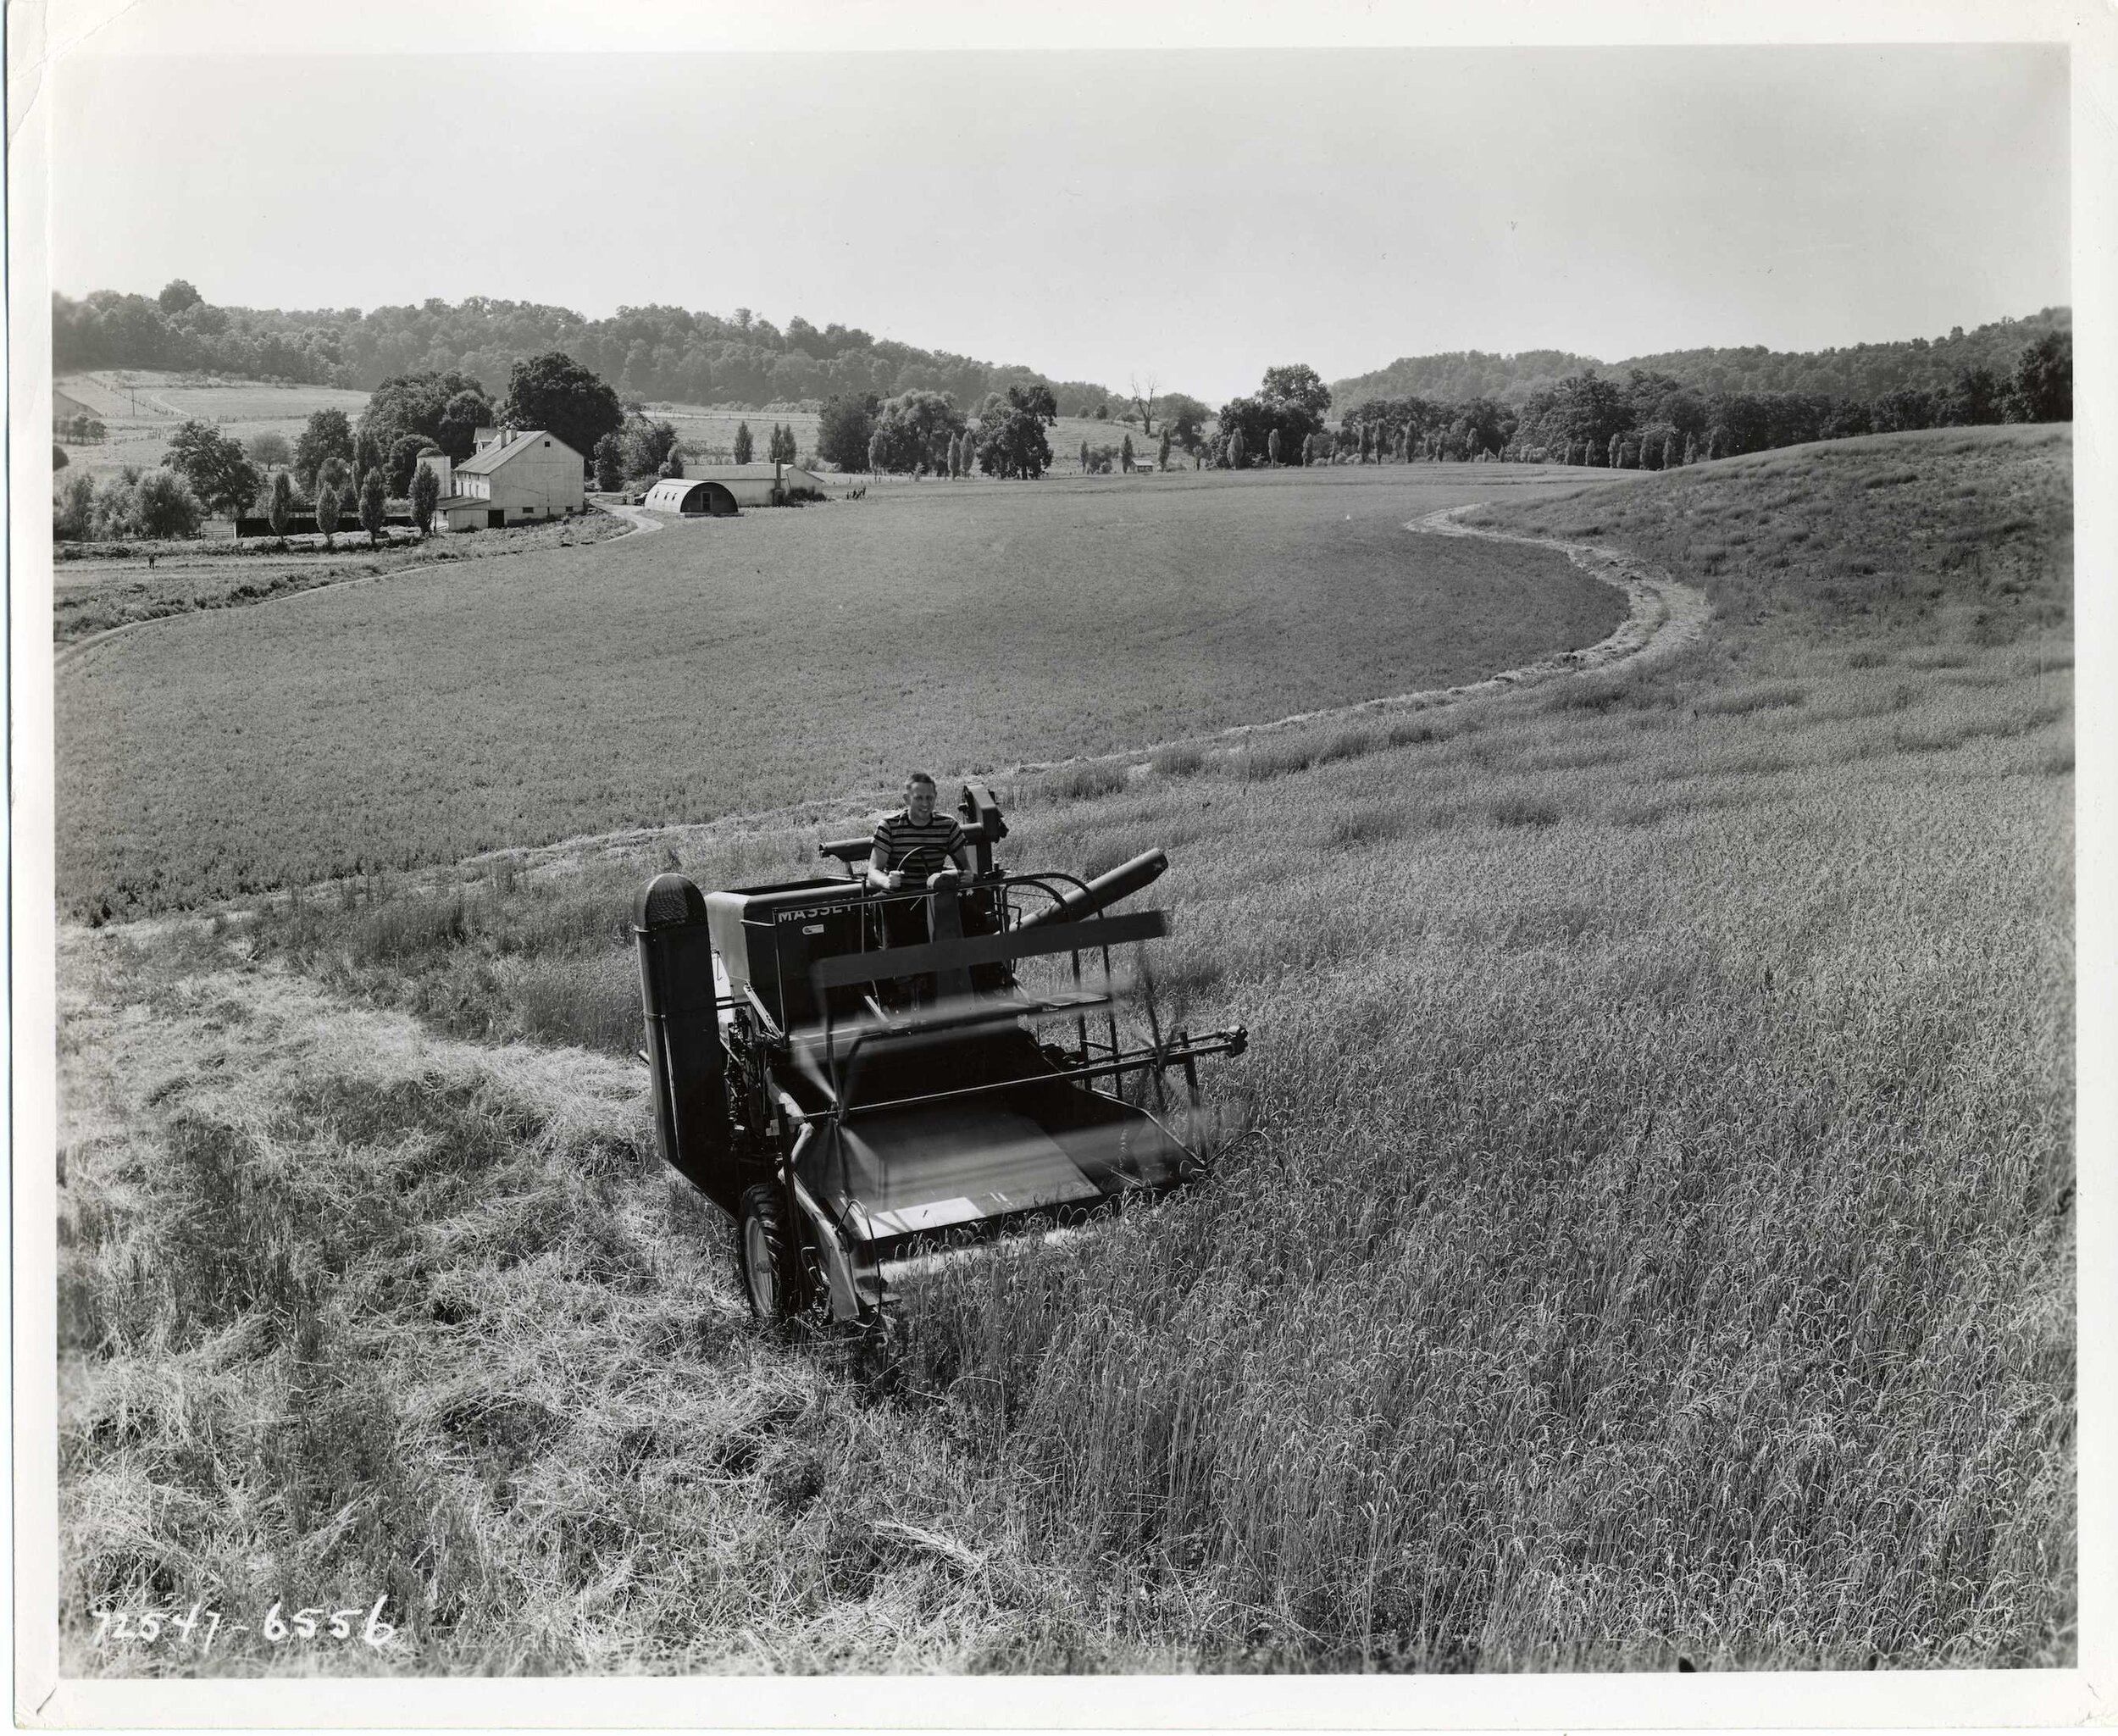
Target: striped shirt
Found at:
x=919, y=850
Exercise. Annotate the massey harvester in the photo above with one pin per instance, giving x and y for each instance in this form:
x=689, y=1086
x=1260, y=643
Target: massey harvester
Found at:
x=862, y=1109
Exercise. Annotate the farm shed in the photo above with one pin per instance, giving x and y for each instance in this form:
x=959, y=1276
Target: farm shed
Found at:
x=512, y=479
x=691, y=496
x=754, y=484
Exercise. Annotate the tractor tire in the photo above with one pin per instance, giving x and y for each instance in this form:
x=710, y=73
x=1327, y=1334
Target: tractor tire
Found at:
x=768, y=1255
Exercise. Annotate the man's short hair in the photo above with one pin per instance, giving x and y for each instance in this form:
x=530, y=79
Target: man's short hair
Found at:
x=921, y=778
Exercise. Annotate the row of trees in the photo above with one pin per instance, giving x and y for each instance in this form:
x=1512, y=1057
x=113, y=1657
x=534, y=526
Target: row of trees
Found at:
x=647, y=353
x=918, y=433
x=1652, y=415
x=163, y=505
x=780, y=445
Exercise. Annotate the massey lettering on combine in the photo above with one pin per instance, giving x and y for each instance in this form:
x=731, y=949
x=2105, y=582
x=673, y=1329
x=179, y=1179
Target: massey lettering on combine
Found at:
x=860, y=1108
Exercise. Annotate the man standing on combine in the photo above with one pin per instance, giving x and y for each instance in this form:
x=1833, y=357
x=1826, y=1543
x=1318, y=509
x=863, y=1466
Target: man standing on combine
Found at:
x=914, y=848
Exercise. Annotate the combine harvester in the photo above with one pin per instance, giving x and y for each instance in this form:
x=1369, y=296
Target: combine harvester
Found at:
x=860, y=1109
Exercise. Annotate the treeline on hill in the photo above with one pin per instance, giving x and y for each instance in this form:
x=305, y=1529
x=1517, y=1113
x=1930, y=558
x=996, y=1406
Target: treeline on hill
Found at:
x=1653, y=420
x=653, y=352
x=1864, y=371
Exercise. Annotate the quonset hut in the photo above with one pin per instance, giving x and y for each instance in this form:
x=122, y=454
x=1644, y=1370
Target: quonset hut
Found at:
x=692, y=495
x=761, y=485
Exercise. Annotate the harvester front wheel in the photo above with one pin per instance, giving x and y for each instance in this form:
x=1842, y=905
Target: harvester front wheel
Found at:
x=771, y=1262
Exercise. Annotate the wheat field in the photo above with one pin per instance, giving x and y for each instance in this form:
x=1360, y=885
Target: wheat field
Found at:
x=1644, y=1230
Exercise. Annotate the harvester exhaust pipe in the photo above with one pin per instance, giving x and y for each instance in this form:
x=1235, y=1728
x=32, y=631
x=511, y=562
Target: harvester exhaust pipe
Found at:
x=684, y=1032
x=1122, y=881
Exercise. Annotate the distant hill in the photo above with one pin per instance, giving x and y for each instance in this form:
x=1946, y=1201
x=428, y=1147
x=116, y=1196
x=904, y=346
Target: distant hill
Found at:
x=1861, y=371
x=651, y=352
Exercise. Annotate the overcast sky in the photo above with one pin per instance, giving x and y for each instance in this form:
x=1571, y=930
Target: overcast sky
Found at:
x=1194, y=216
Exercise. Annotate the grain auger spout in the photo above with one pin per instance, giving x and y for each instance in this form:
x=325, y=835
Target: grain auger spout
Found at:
x=1076, y=902
x=860, y=1108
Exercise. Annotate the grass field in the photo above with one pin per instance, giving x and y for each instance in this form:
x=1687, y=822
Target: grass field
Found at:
x=1649, y=1232
x=104, y=589
x=139, y=407
x=711, y=427
x=726, y=666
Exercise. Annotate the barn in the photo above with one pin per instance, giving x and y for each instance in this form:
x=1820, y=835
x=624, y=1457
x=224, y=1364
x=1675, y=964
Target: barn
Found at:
x=511, y=479
x=694, y=497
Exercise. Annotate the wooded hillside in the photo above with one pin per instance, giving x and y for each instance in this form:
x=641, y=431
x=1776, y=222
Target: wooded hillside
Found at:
x=648, y=353
x=1859, y=371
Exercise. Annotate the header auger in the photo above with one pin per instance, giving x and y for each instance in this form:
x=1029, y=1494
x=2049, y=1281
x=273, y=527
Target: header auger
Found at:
x=858, y=1107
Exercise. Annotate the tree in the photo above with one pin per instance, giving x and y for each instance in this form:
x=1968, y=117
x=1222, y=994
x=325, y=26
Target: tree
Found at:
x=1691, y=449
x=1235, y=450
x=1184, y=418
x=743, y=444
x=1901, y=408
x=1617, y=448
x=164, y=506
x=1977, y=397
x=554, y=392
x=781, y=450
x=1126, y=454
x=1085, y=457
x=643, y=447
x=74, y=510
x=609, y=457
x=2043, y=384
x=672, y=465
x=1010, y=439
x=428, y=404
x=177, y=296
x=60, y=460
x=875, y=452
x=844, y=425
x=337, y=475
x=426, y=493
x=281, y=508
x=404, y=459
x=1143, y=401
x=1297, y=387
x=374, y=495
x=1162, y=457
x=215, y=465
x=912, y=425
x=456, y=431
x=1367, y=442
x=327, y=512
x=270, y=448
x=327, y=435
x=367, y=453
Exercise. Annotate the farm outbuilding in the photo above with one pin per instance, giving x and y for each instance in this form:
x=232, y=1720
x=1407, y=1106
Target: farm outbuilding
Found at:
x=761, y=485
x=694, y=496
x=511, y=479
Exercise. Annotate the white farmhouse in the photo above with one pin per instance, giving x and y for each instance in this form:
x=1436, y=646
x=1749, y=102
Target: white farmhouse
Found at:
x=511, y=479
